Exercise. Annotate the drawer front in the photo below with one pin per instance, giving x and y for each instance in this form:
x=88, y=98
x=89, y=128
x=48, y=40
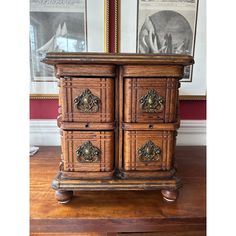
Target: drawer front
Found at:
x=148, y=150
x=77, y=70
x=150, y=99
x=88, y=151
x=87, y=99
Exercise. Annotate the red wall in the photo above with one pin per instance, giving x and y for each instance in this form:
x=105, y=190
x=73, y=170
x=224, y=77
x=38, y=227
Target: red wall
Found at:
x=193, y=110
x=47, y=109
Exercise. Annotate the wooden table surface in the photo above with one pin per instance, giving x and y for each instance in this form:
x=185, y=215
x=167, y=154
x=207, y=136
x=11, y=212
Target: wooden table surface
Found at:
x=119, y=211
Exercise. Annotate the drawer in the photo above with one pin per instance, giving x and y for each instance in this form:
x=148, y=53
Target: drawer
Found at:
x=150, y=100
x=77, y=70
x=148, y=150
x=88, y=151
x=87, y=99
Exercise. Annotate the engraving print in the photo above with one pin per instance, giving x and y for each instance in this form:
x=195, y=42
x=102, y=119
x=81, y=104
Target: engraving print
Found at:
x=55, y=26
x=167, y=27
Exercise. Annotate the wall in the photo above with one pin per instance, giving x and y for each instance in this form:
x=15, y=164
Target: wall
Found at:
x=47, y=109
x=44, y=130
x=43, y=112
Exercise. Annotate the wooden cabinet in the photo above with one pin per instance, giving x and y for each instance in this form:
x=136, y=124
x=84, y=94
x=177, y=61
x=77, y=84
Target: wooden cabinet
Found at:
x=119, y=118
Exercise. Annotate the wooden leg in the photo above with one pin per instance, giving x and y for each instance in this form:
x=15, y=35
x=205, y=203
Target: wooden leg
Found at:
x=170, y=195
x=63, y=197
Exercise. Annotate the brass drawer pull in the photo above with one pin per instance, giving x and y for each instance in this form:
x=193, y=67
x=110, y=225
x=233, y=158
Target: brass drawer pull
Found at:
x=88, y=153
x=152, y=102
x=87, y=102
x=149, y=152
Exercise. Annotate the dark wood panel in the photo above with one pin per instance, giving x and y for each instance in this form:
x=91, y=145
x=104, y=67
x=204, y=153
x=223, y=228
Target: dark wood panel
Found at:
x=151, y=71
x=117, y=58
x=88, y=176
x=67, y=184
x=113, y=211
x=71, y=234
x=85, y=70
x=191, y=233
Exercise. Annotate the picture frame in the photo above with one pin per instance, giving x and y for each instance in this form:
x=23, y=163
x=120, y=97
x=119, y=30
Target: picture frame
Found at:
x=167, y=13
x=70, y=26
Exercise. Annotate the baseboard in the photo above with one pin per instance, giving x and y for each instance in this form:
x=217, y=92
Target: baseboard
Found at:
x=192, y=133
x=46, y=133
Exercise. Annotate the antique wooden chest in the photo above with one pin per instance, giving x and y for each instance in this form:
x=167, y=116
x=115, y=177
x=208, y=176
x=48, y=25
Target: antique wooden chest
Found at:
x=118, y=116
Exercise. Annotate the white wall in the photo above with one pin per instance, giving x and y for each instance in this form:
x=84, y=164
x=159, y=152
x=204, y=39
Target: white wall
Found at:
x=46, y=133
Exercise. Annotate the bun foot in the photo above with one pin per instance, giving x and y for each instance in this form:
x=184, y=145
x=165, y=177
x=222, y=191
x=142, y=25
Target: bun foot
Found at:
x=63, y=197
x=170, y=195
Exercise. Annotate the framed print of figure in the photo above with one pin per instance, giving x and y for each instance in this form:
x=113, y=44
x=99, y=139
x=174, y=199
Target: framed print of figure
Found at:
x=167, y=26
x=62, y=26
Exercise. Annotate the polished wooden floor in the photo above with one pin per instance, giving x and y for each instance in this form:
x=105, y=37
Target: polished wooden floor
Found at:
x=126, y=212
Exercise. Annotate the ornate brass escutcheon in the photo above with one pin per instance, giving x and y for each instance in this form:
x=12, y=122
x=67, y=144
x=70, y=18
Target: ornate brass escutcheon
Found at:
x=152, y=102
x=87, y=102
x=88, y=153
x=149, y=152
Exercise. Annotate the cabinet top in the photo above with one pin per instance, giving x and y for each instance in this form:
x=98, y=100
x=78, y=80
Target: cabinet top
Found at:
x=54, y=58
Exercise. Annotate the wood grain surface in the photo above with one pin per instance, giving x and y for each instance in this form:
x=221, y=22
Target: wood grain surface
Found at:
x=134, y=140
x=103, y=140
x=84, y=70
x=117, y=58
x=118, y=211
x=150, y=71
x=136, y=88
x=73, y=87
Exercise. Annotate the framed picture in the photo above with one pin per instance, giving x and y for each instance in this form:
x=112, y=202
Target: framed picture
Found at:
x=167, y=26
x=63, y=26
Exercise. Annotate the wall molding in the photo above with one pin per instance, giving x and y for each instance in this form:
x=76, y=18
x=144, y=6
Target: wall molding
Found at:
x=46, y=133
